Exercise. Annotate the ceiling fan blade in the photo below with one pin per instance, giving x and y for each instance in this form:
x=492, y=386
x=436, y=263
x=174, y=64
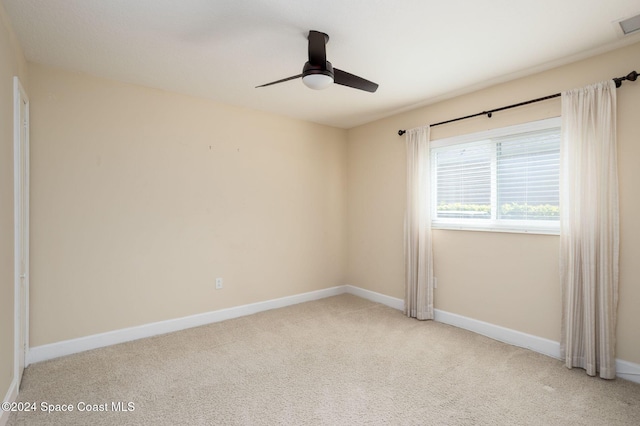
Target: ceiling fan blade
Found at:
x=345, y=79
x=317, y=47
x=281, y=81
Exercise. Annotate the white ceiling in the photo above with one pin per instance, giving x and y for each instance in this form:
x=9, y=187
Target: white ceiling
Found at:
x=416, y=50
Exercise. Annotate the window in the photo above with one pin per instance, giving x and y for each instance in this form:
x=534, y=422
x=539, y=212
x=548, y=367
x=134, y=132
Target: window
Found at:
x=501, y=180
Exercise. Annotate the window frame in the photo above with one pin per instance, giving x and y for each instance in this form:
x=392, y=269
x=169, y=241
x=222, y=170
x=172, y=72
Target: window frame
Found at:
x=544, y=227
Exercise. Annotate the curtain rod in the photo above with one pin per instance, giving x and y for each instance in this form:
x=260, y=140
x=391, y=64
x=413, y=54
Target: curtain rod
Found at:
x=632, y=76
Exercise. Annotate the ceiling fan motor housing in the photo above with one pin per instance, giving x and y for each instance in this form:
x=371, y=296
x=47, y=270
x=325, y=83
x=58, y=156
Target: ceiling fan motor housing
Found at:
x=310, y=69
x=317, y=77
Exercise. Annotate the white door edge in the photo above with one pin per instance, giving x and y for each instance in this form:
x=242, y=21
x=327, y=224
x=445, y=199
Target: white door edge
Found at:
x=21, y=228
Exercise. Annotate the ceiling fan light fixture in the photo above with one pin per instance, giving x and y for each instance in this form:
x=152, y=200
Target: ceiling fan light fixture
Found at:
x=317, y=81
x=318, y=73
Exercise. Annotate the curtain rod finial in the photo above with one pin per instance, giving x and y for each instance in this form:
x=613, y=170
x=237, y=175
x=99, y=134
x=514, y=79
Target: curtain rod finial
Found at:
x=401, y=132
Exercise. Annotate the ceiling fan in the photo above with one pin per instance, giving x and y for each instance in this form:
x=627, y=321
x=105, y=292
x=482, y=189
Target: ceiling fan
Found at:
x=318, y=73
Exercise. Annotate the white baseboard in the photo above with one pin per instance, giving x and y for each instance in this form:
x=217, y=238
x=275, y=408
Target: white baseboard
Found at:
x=626, y=370
x=496, y=332
x=502, y=334
x=392, y=302
x=81, y=344
x=11, y=396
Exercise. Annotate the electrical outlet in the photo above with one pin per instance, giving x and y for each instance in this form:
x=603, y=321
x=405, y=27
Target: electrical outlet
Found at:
x=218, y=283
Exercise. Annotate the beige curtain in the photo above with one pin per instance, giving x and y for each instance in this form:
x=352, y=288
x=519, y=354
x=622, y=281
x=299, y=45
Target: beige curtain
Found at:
x=418, y=253
x=589, y=234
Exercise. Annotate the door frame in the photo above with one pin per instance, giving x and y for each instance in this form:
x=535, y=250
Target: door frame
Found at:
x=21, y=201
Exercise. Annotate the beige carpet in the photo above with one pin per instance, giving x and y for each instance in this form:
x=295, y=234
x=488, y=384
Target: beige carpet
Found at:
x=336, y=361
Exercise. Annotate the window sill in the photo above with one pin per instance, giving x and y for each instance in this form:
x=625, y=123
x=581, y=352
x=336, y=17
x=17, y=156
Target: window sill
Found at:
x=535, y=231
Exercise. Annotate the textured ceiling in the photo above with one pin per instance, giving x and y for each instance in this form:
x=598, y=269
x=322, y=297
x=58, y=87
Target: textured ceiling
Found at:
x=416, y=50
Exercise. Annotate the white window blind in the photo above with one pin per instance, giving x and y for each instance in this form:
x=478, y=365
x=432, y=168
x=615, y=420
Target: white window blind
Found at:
x=504, y=179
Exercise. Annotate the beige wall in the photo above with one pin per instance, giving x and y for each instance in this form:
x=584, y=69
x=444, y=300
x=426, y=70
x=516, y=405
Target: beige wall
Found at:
x=506, y=279
x=12, y=63
x=141, y=198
